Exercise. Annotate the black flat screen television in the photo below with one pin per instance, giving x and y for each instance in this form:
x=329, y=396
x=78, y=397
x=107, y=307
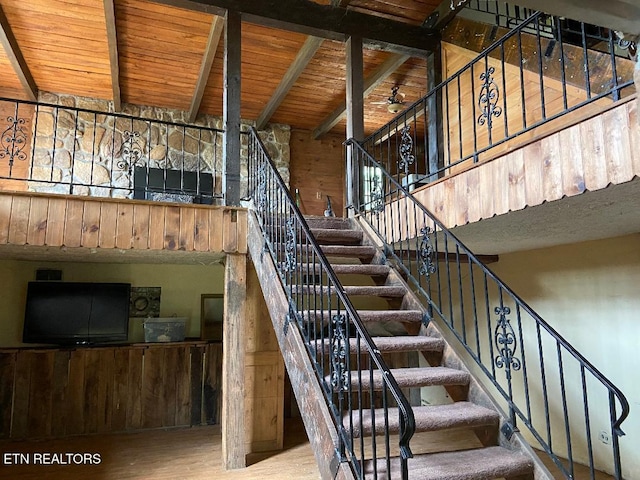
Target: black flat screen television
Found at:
x=76, y=313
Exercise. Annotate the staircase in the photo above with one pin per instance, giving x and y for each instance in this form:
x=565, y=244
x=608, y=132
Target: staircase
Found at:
x=380, y=370
x=367, y=278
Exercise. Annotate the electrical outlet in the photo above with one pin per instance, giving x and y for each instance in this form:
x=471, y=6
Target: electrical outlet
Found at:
x=605, y=437
x=319, y=195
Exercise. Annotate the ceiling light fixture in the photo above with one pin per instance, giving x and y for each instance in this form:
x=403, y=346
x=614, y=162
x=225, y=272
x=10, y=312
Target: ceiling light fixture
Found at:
x=395, y=101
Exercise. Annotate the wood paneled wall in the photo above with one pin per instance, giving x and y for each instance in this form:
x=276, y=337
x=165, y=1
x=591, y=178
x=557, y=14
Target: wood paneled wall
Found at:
x=60, y=392
x=317, y=166
x=590, y=155
x=519, y=99
x=36, y=219
x=264, y=374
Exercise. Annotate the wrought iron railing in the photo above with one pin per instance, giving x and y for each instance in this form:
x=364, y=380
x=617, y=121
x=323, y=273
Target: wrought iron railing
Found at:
x=564, y=402
x=501, y=14
x=353, y=376
x=58, y=149
x=506, y=15
x=522, y=85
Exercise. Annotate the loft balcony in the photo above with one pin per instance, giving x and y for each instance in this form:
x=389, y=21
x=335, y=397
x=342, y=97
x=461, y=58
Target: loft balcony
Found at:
x=538, y=120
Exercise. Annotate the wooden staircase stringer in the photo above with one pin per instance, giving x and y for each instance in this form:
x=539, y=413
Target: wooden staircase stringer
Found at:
x=315, y=413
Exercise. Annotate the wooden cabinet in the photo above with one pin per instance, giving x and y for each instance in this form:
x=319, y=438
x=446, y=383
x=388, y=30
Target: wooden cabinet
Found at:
x=59, y=392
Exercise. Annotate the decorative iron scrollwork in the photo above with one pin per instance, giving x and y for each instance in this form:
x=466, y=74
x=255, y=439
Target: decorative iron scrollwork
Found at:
x=426, y=253
x=506, y=344
x=406, y=149
x=289, y=263
x=339, y=342
x=377, y=196
x=13, y=140
x=489, y=97
x=131, y=150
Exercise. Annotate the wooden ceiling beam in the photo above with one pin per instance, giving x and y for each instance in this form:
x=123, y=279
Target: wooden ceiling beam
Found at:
x=327, y=21
x=215, y=33
x=114, y=59
x=370, y=84
x=12, y=50
x=301, y=61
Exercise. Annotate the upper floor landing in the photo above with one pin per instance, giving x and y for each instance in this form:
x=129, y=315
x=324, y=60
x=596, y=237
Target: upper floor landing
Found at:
x=579, y=183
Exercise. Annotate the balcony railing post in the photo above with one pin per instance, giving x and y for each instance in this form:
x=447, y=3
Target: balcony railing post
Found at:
x=355, y=111
x=231, y=109
x=435, y=129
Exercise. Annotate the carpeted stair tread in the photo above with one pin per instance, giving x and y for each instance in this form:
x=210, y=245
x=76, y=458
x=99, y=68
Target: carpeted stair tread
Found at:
x=478, y=464
x=335, y=236
x=415, y=377
x=408, y=343
x=355, y=290
x=371, y=315
x=428, y=418
x=349, y=269
x=363, y=252
x=328, y=222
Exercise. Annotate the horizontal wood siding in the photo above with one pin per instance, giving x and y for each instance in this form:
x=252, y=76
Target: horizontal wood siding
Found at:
x=59, y=392
x=595, y=153
x=28, y=219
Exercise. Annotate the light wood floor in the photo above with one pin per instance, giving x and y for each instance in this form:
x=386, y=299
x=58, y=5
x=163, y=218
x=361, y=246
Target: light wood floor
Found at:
x=195, y=453
x=188, y=454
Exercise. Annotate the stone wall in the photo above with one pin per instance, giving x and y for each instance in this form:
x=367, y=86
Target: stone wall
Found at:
x=96, y=152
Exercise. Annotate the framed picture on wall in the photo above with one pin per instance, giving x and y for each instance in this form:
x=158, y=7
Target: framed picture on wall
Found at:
x=211, y=316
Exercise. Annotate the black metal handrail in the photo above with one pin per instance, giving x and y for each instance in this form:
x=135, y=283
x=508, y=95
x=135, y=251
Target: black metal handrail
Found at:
x=535, y=74
x=499, y=331
x=52, y=148
x=352, y=373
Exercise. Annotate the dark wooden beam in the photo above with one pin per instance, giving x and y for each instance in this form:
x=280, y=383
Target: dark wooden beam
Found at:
x=454, y=257
x=355, y=111
x=444, y=13
x=327, y=21
x=114, y=61
x=231, y=109
x=301, y=61
x=463, y=258
x=434, y=107
x=370, y=84
x=12, y=50
x=217, y=26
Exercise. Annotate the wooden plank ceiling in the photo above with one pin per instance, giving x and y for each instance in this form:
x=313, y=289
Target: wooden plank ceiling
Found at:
x=163, y=53
x=160, y=50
